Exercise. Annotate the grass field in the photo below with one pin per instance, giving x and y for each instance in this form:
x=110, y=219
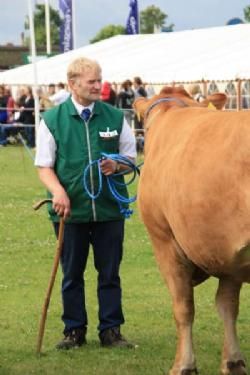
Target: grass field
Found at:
x=27, y=248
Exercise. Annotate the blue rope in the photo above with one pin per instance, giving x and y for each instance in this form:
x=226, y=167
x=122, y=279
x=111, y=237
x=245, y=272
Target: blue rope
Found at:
x=111, y=181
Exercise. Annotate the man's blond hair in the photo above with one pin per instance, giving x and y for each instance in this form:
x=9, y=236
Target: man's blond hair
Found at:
x=80, y=65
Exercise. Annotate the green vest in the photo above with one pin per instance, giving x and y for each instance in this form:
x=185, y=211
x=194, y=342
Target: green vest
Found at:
x=78, y=143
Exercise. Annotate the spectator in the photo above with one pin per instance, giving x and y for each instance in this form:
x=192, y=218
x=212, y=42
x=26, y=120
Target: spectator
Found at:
x=10, y=105
x=195, y=92
x=3, y=105
x=44, y=102
x=60, y=96
x=51, y=89
x=9, y=130
x=139, y=88
x=3, y=116
x=125, y=100
x=108, y=95
x=139, y=91
x=150, y=90
x=27, y=116
x=21, y=97
x=140, y=142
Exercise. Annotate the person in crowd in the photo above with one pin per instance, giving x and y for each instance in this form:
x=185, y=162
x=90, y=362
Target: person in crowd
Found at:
x=69, y=137
x=44, y=102
x=60, y=95
x=108, y=95
x=10, y=105
x=125, y=100
x=139, y=88
x=3, y=116
x=195, y=92
x=9, y=130
x=51, y=89
x=3, y=105
x=27, y=116
x=21, y=96
x=139, y=91
x=140, y=142
x=149, y=90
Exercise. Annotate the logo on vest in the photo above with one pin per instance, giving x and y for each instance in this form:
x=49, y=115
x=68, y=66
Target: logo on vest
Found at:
x=108, y=134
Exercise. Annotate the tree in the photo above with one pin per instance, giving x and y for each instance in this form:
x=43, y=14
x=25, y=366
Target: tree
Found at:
x=39, y=25
x=107, y=32
x=152, y=17
x=247, y=13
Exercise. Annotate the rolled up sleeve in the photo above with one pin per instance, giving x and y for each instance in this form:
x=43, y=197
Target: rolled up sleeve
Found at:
x=127, y=145
x=45, y=147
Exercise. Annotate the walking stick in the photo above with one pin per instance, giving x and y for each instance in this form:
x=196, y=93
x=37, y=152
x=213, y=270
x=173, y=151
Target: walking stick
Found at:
x=52, y=277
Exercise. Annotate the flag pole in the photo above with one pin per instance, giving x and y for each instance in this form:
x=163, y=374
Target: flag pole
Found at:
x=33, y=54
x=47, y=26
x=138, y=18
x=74, y=23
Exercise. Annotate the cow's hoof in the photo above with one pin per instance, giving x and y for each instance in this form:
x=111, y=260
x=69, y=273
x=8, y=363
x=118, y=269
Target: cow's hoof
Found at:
x=189, y=372
x=183, y=372
x=235, y=368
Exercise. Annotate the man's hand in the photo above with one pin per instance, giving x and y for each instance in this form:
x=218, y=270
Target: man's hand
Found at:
x=60, y=201
x=61, y=204
x=108, y=166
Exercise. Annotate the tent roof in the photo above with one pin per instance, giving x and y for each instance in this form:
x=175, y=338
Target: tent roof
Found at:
x=218, y=53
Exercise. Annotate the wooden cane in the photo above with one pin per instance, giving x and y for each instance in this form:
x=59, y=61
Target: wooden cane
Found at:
x=52, y=277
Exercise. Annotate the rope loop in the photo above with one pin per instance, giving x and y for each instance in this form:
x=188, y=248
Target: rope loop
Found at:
x=112, y=182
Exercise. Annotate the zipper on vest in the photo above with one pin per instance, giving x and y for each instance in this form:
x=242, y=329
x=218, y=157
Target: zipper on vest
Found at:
x=91, y=170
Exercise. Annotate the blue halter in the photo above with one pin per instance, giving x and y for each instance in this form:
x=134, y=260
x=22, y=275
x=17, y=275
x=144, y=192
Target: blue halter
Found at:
x=161, y=100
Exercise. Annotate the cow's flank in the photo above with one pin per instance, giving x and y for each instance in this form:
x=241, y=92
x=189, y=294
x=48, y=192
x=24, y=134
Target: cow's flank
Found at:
x=194, y=198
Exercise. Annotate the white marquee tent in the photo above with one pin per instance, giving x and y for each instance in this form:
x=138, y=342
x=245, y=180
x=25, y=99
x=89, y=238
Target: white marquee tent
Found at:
x=212, y=54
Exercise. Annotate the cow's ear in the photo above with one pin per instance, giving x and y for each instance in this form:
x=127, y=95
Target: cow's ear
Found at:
x=167, y=90
x=218, y=100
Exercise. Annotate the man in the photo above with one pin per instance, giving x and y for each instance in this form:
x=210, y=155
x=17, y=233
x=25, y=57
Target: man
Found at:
x=60, y=95
x=67, y=141
x=51, y=89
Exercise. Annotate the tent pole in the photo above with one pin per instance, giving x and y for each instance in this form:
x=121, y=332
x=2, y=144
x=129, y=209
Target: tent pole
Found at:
x=239, y=106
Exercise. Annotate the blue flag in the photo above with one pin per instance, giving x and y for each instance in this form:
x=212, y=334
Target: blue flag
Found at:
x=66, y=29
x=132, y=26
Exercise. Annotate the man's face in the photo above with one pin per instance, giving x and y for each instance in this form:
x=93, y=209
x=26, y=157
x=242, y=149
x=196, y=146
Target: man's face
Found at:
x=52, y=90
x=87, y=87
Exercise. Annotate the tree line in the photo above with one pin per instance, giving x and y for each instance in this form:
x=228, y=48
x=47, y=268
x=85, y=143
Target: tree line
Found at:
x=150, y=18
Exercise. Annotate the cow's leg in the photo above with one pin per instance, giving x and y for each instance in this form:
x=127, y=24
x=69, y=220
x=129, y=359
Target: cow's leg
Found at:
x=176, y=272
x=227, y=301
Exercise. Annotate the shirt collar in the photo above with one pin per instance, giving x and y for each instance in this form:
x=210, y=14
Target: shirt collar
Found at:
x=79, y=108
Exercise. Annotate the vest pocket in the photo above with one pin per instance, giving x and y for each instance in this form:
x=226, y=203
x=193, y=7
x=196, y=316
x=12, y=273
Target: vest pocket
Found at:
x=109, y=145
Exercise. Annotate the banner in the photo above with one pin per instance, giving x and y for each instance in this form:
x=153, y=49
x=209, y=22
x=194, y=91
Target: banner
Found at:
x=132, y=26
x=66, y=29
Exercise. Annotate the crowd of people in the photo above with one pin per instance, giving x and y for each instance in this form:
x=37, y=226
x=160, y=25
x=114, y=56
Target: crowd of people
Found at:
x=21, y=108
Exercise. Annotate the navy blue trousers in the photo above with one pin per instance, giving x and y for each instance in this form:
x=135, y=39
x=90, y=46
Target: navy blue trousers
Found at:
x=106, y=239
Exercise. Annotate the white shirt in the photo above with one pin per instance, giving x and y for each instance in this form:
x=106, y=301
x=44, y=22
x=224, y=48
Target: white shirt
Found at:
x=59, y=97
x=46, y=146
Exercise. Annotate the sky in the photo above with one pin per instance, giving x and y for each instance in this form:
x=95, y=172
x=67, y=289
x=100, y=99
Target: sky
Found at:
x=91, y=16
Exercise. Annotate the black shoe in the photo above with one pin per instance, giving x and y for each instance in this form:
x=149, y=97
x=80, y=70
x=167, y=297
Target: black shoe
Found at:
x=73, y=339
x=112, y=338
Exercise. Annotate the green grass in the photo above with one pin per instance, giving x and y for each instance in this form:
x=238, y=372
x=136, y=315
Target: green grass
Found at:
x=27, y=246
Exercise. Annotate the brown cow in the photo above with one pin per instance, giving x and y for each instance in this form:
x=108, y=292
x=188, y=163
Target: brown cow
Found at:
x=194, y=198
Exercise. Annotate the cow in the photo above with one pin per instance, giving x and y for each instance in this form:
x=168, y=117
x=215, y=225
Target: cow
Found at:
x=194, y=199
